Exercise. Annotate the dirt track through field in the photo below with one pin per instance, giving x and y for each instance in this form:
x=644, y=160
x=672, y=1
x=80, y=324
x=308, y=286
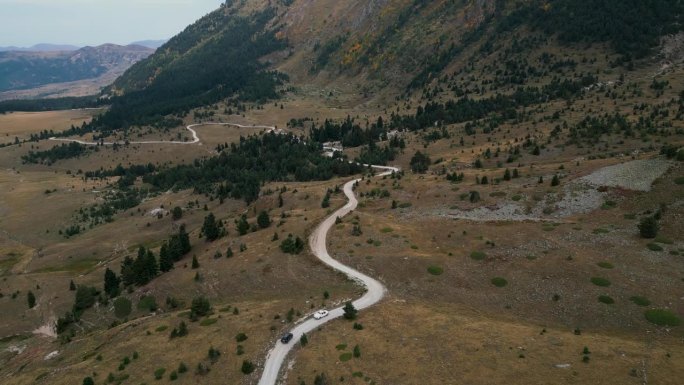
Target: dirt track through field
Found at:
x=191, y=128
x=375, y=290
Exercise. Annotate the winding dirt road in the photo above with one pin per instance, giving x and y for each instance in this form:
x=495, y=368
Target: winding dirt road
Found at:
x=191, y=128
x=375, y=291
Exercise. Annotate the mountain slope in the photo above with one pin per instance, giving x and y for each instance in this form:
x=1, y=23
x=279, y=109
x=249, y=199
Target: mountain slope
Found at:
x=381, y=46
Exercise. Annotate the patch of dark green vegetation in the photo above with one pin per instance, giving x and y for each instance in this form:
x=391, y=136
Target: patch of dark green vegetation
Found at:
x=240, y=171
x=605, y=265
x=598, y=281
x=641, y=301
x=478, y=255
x=662, y=317
x=654, y=247
x=606, y=299
x=435, y=270
x=499, y=282
x=631, y=27
x=58, y=152
x=52, y=104
x=324, y=52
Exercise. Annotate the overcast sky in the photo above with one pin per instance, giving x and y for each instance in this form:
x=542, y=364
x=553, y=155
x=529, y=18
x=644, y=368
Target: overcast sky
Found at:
x=94, y=22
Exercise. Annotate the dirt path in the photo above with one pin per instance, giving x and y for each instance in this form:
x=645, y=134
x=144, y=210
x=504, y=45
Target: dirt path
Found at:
x=191, y=128
x=375, y=290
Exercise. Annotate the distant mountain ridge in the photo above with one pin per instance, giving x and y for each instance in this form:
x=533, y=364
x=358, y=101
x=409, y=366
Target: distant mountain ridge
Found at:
x=42, y=48
x=21, y=70
x=150, y=43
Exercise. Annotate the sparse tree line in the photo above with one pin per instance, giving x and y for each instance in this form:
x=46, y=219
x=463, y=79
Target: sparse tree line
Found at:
x=139, y=271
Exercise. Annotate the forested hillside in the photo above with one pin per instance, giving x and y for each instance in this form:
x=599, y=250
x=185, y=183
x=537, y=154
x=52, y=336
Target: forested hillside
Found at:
x=213, y=59
x=399, y=47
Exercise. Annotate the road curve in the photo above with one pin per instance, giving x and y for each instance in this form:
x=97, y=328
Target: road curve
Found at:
x=195, y=138
x=375, y=291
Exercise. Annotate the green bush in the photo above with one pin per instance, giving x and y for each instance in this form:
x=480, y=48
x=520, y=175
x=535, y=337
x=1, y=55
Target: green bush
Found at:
x=292, y=245
x=122, y=307
x=159, y=373
x=478, y=255
x=241, y=337
x=200, y=307
x=662, y=317
x=606, y=299
x=435, y=270
x=247, y=367
x=598, y=281
x=148, y=303
x=654, y=247
x=648, y=227
x=208, y=321
x=605, y=265
x=641, y=301
x=679, y=180
x=499, y=282
x=344, y=357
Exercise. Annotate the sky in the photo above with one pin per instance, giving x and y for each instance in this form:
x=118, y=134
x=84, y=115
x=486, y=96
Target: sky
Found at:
x=24, y=23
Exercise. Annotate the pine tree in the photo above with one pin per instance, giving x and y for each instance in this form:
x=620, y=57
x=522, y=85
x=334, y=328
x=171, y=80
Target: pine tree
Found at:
x=31, y=299
x=349, y=311
x=184, y=241
x=139, y=267
x=515, y=173
x=111, y=283
x=242, y=225
x=229, y=252
x=165, y=261
x=357, y=351
x=263, y=220
x=210, y=228
x=648, y=227
x=127, y=271
x=72, y=285
x=555, y=181
x=151, y=266
x=195, y=262
x=326, y=201
x=176, y=213
x=507, y=175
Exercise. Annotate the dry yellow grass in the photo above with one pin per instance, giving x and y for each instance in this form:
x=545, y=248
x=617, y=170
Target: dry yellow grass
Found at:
x=22, y=124
x=409, y=342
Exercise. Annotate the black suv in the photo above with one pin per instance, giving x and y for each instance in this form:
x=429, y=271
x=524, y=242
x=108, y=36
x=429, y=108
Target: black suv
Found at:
x=286, y=338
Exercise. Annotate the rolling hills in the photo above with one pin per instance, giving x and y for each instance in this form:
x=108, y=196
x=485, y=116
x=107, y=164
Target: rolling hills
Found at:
x=45, y=73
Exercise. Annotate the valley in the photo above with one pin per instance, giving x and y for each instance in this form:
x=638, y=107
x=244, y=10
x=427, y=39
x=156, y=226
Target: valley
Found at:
x=522, y=222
